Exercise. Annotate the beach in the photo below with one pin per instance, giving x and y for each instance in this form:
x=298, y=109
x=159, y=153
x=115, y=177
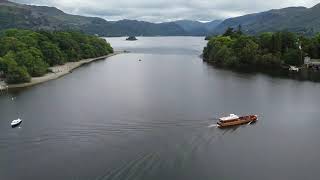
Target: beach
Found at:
x=56, y=72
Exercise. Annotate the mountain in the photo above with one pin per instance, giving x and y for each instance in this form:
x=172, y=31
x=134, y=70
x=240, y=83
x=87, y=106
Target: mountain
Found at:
x=212, y=25
x=134, y=28
x=196, y=27
x=192, y=27
x=295, y=19
x=14, y=15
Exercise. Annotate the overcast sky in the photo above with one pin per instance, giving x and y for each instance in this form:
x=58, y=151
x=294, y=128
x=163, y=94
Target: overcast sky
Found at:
x=167, y=10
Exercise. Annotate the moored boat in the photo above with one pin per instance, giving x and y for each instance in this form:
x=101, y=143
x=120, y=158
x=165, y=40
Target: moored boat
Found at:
x=16, y=122
x=234, y=120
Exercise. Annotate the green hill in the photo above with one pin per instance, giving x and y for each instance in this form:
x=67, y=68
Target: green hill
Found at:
x=294, y=19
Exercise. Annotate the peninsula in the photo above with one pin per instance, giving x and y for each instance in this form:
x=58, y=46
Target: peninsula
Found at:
x=56, y=72
x=28, y=57
x=270, y=51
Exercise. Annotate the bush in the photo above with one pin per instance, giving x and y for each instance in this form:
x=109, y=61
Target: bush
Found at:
x=17, y=74
x=32, y=59
x=52, y=54
x=269, y=60
x=292, y=57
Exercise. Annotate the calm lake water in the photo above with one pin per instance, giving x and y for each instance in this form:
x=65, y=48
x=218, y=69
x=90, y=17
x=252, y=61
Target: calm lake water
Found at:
x=124, y=119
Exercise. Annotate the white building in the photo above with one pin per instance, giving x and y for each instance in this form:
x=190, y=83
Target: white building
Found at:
x=312, y=63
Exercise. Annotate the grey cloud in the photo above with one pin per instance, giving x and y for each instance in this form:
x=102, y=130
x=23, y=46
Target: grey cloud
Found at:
x=165, y=10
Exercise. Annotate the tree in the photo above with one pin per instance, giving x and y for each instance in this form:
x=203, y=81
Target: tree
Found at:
x=5, y=62
x=10, y=44
x=13, y=72
x=317, y=37
x=276, y=43
x=229, y=32
x=52, y=54
x=17, y=74
x=68, y=46
x=239, y=30
x=246, y=50
x=214, y=45
x=28, y=37
x=269, y=61
x=292, y=57
x=265, y=41
x=223, y=55
x=32, y=59
x=2, y=66
x=316, y=46
x=88, y=51
x=289, y=40
x=309, y=47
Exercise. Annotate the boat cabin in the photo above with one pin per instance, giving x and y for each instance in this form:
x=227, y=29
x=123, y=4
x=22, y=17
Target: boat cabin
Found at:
x=234, y=120
x=231, y=117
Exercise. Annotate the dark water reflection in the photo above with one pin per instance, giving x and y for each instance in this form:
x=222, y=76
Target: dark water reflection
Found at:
x=303, y=75
x=125, y=119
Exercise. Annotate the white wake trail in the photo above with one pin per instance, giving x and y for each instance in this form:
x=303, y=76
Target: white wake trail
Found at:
x=213, y=125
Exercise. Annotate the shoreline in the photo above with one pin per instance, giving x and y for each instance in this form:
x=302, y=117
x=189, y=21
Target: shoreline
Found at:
x=57, y=72
x=304, y=74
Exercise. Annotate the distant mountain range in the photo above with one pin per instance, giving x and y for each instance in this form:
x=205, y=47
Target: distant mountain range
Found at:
x=197, y=28
x=296, y=19
x=14, y=15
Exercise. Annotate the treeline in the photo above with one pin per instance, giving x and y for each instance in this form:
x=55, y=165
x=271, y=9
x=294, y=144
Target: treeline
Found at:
x=25, y=54
x=268, y=50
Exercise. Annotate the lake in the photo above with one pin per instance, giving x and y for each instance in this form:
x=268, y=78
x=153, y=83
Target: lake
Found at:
x=154, y=119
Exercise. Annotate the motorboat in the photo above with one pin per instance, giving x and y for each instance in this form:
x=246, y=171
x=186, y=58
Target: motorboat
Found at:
x=235, y=120
x=16, y=122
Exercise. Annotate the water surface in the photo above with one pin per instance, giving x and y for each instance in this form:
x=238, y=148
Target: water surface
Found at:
x=151, y=119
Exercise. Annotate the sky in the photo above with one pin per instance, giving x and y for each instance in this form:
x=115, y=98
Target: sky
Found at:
x=167, y=10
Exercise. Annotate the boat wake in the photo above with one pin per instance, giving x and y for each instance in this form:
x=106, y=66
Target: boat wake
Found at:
x=139, y=168
x=213, y=125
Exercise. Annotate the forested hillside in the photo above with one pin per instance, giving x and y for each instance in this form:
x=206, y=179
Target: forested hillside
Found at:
x=25, y=54
x=234, y=49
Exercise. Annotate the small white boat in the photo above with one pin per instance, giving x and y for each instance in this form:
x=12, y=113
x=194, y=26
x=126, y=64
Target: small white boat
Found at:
x=16, y=122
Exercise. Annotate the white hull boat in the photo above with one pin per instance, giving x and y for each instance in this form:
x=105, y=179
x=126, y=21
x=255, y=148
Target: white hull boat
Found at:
x=16, y=122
